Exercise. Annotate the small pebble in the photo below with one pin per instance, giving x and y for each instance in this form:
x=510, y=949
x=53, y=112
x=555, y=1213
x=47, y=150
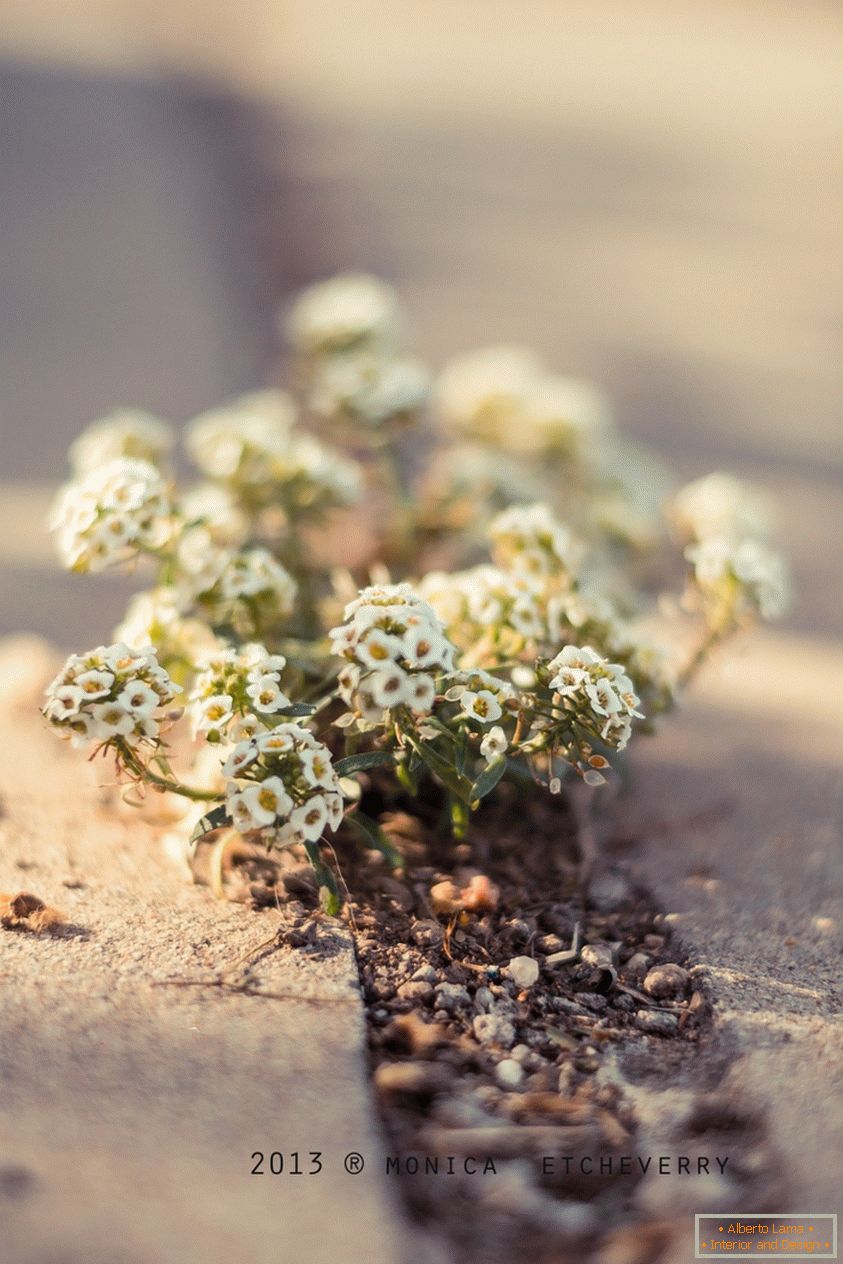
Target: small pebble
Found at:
x=427, y=933
x=563, y=1006
x=666, y=981
x=550, y=943
x=593, y=1001
x=424, y=974
x=598, y=955
x=416, y=990
x=509, y=1073
x=493, y=1029
x=656, y=1023
x=484, y=999
x=451, y=996
x=639, y=964
x=445, y=897
x=524, y=971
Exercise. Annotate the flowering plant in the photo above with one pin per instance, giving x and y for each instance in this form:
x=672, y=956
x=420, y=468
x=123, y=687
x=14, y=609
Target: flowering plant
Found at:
x=320, y=604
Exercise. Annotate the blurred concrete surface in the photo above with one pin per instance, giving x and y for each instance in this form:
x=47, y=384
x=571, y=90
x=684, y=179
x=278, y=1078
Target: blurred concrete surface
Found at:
x=650, y=197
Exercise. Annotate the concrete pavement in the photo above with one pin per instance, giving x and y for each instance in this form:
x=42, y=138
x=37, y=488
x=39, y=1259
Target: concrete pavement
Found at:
x=132, y=1110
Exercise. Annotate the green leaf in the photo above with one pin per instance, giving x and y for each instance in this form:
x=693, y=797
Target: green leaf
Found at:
x=296, y=709
x=373, y=836
x=213, y=820
x=329, y=896
x=488, y=779
x=359, y=763
x=445, y=771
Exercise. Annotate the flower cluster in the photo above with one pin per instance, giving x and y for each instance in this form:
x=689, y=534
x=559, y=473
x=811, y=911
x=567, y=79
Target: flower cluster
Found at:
x=506, y=397
x=343, y=313
x=720, y=506
x=745, y=575
x=396, y=647
x=598, y=693
x=110, y=695
x=110, y=514
x=249, y=591
x=252, y=447
x=283, y=783
x=369, y=389
x=236, y=691
x=528, y=540
x=126, y=432
x=735, y=572
x=499, y=611
x=453, y=680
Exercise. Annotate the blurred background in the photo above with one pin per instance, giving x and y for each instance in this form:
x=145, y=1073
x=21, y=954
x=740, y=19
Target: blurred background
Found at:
x=649, y=193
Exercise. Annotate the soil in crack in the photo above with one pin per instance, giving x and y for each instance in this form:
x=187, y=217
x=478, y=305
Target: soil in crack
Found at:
x=516, y=1024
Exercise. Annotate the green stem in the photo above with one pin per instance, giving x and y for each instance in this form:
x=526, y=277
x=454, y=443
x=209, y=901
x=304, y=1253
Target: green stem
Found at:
x=145, y=773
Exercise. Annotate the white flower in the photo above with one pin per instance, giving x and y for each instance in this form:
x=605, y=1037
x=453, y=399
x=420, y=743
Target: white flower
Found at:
x=111, y=719
x=311, y=818
x=604, y=700
x=342, y=312
x=482, y=706
x=244, y=727
x=244, y=754
x=266, y=694
x=275, y=741
x=387, y=686
x=215, y=712
x=494, y=744
x=317, y=768
x=378, y=648
x=573, y=656
x=236, y=683
x=529, y=539
x=66, y=702
x=420, y=693
x=126, y=432
x=138, y=698
x=95, y=683
x=238, y=809
x=267, y=800
x=251, y=590
x=598, y=692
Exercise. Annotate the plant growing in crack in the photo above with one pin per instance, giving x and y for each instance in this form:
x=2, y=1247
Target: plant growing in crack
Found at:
x=321, y=604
